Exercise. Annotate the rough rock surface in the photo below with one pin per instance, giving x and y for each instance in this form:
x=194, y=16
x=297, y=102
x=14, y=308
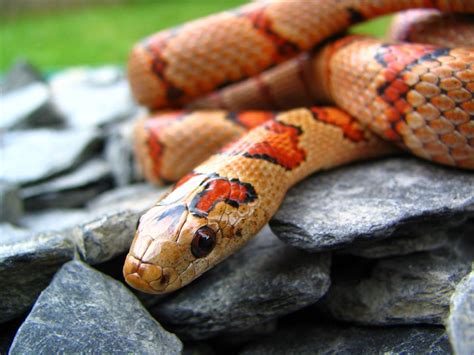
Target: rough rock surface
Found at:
x=119, y=154
x=11, y=234
x=105, y=91
x=105, y=237
x=265, y=280
x=27, y=264
x=327, y=339
x=372, y=200
x=69, y=190
x=83, y=310
x=401, y=244
x=411, y=289
x=29, y=156
x=20, y=75
x=29, y=106
x=137, y=197
x=54, y=219
x=461, y=318
x=11, y=205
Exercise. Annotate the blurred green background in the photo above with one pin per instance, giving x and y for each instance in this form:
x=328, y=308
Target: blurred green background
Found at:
x=85, y=34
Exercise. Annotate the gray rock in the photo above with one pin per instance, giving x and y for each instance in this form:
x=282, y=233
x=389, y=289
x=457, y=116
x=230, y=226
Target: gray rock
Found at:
x=83, y=310
x=27, y=265
x=400, y=244
x=28, y=262
x=92, y=97
x=29, y=106
x=137, y=197
x=54, y=219
x=11, y=205
x=327, y=339
x=11, y=234
x=30, y=156
x=371, y=201
x=460, y=323
x=20, y=75
x=411, y=289
x=73, y=189
x=263, y=281
x=119, y=154
x=105, y=237
x=232, y=339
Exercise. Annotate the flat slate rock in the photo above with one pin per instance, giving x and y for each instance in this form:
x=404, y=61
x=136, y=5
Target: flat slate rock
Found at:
x=10, y=233
x=263, y=281
x=27, y=264
x=54, y=219
x=411, y=289
x=29, y=106
x=372, y=200
x=412, y=242
x=106, y=236
x=21, y=74
x=92, y=97
x=72, y=189
x=33, y=155
x=11, y=204
x=333, y=339
x=460, y=323
x=136, y=197
x=119, y=153
x=83, y=310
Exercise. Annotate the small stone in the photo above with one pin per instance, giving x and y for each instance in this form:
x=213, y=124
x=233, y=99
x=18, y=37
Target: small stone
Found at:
x=73, y=189
x=373, y=201
x=411, y=289
x=31, y=156
x=411, y=242
x=137, y=197
x=11, y=205
x=27, y=264
x=83, y=310
x=29, y=106
x=54, y=219
x=105, y=90
x=20, y=75
x=263, y=281
x=460, y=322
x=332, y=339
x=105, y=237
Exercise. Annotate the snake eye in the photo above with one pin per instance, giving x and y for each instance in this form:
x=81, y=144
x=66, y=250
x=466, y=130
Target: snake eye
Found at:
x=203, y=242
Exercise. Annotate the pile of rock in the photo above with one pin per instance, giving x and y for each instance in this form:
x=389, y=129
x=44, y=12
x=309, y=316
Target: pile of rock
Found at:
x=372, y=257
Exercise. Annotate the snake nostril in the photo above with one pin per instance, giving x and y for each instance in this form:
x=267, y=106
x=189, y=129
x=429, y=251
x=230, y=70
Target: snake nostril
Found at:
x=164, y=279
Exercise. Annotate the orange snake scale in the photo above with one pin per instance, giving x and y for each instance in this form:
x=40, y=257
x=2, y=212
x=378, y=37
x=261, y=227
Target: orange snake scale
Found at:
x=270, y=56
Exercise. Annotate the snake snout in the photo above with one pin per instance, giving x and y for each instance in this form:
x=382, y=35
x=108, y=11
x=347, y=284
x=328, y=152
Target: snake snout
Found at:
x=154, y=268
x=140, y=275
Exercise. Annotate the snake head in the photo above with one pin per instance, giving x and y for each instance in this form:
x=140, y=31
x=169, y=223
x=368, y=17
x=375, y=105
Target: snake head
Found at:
x=180, y=238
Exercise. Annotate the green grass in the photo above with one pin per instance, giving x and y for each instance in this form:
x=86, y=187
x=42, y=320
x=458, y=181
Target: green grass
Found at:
x=104, y=34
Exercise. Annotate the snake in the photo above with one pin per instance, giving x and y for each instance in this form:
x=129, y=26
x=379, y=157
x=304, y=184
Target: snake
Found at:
x=246, y=103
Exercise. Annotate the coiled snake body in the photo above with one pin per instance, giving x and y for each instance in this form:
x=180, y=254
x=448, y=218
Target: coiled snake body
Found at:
x=418, y=97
